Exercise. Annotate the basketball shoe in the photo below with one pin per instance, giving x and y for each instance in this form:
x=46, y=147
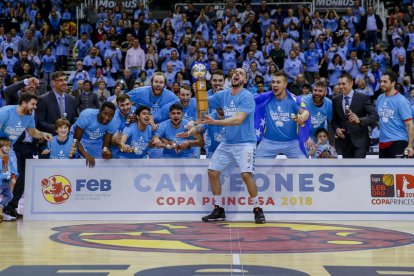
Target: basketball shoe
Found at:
x=259, y=216
x=217, y=214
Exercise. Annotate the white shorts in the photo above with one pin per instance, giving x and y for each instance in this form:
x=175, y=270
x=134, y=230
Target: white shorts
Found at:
x=227, y=156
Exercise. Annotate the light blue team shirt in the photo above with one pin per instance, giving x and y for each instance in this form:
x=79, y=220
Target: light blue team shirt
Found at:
x=214, y=135
x=242, y=102
x=312, y=60
x=393, y=111
x=48, y=63
x=13, y=125
x=88, y=61
x=60, y=150
x=319, y=115
x=166, y=130
x=121, y=120
x=279, y=124
x=83, y=48
x=121, y=124
x=93, y=131
x=138, y=140
x=144, y=96
x=325, y=147
x=189, y=111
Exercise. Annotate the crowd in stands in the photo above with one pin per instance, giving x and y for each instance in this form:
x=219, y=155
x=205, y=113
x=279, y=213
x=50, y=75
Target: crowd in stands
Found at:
x=119, y=55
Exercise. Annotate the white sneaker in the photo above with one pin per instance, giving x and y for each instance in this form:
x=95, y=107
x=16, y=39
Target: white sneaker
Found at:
x=8, y=218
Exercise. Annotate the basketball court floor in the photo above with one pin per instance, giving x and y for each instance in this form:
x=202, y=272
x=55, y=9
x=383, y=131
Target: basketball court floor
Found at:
x=196, y=248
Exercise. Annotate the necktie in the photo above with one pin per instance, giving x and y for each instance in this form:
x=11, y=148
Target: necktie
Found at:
x=61, y=105
x=346, y=101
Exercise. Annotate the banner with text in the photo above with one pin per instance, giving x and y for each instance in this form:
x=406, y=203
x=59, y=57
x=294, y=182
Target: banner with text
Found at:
x=337, y=5
x=179, y=190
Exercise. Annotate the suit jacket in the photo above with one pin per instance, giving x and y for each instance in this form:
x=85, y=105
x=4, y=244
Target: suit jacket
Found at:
x=364, y=20
x=12, y=94
x=407, y=69
x=48, y=112
x=362, y=106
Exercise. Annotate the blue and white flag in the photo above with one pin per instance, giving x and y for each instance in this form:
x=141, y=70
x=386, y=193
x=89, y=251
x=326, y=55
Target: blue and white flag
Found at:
x=260, y=122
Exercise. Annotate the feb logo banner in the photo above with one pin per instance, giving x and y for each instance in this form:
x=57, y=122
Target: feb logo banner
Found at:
x=56, y=189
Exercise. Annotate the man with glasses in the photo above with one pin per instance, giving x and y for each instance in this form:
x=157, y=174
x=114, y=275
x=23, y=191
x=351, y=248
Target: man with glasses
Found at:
x=55, y=104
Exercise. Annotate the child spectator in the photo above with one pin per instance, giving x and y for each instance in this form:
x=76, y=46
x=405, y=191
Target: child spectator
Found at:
x=62, y=145
x=322, y=149
x=8, y=179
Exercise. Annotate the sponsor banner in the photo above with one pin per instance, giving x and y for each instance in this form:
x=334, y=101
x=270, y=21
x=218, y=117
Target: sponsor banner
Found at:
x=179, y=190
x=333, y=4
x=129, y=5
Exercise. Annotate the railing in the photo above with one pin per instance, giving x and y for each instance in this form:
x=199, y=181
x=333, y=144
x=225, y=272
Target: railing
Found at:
x=220, y=7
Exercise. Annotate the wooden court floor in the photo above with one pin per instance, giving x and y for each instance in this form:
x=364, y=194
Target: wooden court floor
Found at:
x=195, y=248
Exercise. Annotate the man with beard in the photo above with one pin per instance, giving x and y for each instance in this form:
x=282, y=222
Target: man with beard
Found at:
x=320, y=110
x=14, y=121
x=93, y=132
x=239, y=143
x=137, y=137
x=124, y=115
x=166, y=136
x=284, y=113
x=396, y=122
x=217, y=82
x=188, y=104
x=114, y=54
x=155, y=97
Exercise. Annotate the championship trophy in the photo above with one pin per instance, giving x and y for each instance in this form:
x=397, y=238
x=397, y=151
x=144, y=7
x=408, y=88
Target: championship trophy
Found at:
x=198, y=72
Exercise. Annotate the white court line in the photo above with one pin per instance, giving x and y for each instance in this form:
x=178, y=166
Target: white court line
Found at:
x=236, y=257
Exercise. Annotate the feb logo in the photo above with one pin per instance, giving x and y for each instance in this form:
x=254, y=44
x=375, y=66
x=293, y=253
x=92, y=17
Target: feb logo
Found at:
x=405, y=185
x=56, y=189
x=382, y=185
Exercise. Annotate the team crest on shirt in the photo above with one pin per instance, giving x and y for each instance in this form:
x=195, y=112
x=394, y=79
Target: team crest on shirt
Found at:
x=386, y=113
x=279, y=116
x=95, y=134
x=139, y=146
x=14, y=132
x=219, y=137
x=318, y=119
x=230, y=111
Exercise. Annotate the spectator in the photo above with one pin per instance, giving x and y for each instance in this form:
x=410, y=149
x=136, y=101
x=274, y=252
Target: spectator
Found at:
x=79, y=74
x=396, y=128
x=352, y=114
x=371, y=26
x=82, y=46
x=135, y=59
x=87, y=99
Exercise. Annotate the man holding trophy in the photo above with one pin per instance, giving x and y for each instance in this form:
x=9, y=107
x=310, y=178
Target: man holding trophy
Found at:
x=239, y=143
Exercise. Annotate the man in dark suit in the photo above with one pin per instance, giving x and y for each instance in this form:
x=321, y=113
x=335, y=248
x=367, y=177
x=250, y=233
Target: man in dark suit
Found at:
x=27, y=84
x=402, y=69
x=352, y=114
x=54, y=104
